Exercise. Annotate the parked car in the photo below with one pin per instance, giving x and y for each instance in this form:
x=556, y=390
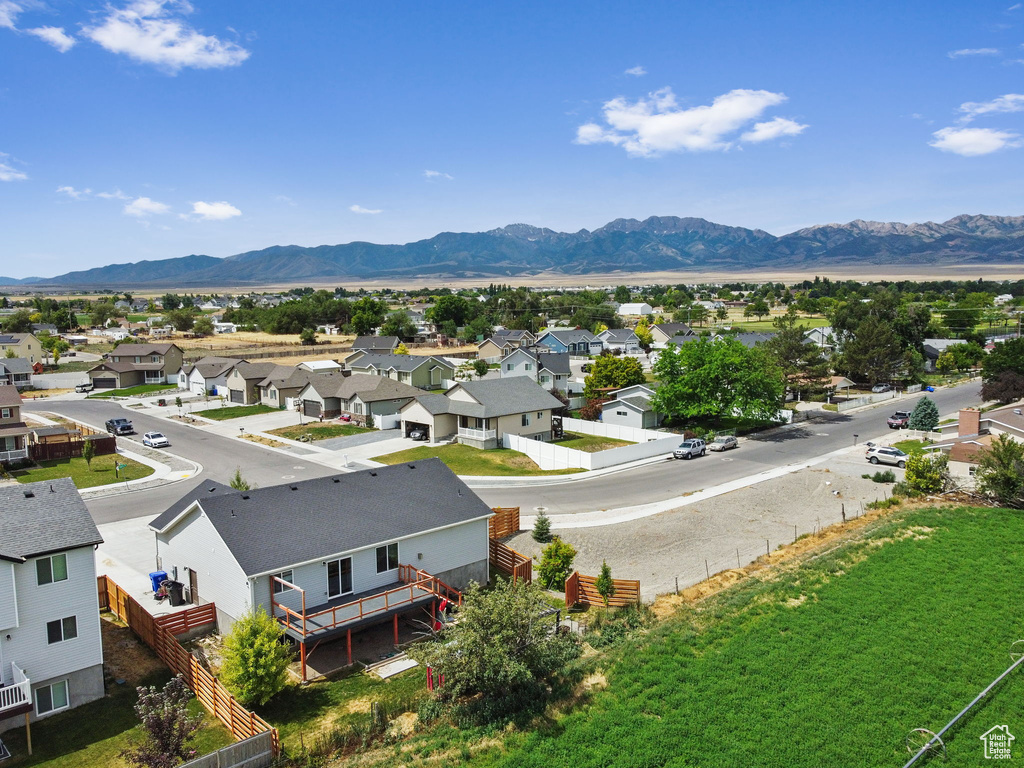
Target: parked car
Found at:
x=690, y=448
x=120, y=427
x=418, y=433
x=879, y=388
x=899, y=420
x=155, y=440
x=87, y=387
x=723, y=443
x=587, y=367
x=879, y=454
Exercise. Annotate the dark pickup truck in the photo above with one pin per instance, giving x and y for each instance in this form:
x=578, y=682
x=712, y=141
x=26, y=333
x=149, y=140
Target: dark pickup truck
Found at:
x=899, y=420
x=120, y=427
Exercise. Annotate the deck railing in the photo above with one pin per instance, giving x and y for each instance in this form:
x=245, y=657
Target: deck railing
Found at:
x=478, y=434
x=19, y=693
x=14, y=455
x=415, y=585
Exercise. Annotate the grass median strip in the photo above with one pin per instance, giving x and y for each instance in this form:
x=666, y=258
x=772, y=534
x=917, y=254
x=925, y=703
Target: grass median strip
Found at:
x=465, y=460
x=84, y=476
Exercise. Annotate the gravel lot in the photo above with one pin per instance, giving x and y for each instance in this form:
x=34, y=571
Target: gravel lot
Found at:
x=727, y=530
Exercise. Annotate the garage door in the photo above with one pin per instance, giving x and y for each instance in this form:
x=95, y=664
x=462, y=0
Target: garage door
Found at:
x=104, y=383
x=311, y=408
x=236, y=396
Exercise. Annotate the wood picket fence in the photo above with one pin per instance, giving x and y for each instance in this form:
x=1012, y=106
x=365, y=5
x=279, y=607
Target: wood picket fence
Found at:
x=507, y=560
x=583, y=589
x=159, y=634
x=505, y=522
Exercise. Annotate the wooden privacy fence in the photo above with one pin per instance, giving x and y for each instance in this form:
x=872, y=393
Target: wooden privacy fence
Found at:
x=583, y=589
x=71, y=449
x=507, y=560
x=505, y=522
x=158, y=634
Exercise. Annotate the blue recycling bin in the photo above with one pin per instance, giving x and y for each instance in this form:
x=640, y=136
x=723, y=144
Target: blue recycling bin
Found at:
x=156, y=578
x=929, y=389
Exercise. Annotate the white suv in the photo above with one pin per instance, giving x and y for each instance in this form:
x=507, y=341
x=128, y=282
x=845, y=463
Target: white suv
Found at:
x=690, y=448
x=878, y=454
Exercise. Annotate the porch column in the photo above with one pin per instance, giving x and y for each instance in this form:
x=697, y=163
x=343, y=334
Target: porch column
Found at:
x=28, y=733
x=302, y=656
x=396, y=629
x=348, y=642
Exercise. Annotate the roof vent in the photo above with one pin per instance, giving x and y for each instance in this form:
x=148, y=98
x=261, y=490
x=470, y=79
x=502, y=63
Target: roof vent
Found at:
x=412, y=466
x=233, y=513
x=336, y=479
x=293, y=487
x=372, y=473
x=51, y=488
x=29, y=495
x=245, y=495
x=211, y=489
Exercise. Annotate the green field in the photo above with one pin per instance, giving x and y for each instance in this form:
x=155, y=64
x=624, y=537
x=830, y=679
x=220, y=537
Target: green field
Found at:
x=235, y=411
x=832, y=664
x=466, y=460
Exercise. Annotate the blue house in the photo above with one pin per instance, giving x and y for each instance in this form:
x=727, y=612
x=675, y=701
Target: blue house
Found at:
x=575, y=342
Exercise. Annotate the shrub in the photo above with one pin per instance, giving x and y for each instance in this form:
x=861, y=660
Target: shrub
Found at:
x=888, y=476
x=1001, y=472
x=167, y=727
x=926, y=473
x=542, y=529
x=556, y=564
x=605, y=584
x=255, y=658
x=892, y=501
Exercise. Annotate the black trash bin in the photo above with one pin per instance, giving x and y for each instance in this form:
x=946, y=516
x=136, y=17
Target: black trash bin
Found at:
x=175, y=590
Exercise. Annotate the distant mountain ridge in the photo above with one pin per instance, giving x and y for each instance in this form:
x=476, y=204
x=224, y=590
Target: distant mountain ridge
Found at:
x=656, y=244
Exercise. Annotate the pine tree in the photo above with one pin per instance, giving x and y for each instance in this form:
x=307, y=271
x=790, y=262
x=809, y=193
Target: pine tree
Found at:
x=605, y=584
x=925, y=416
x=542, y=529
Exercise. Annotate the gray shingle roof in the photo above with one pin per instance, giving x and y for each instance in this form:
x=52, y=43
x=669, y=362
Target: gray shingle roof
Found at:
x=13, y=338
x=9, y=395
x=556, y=362
x=572, y=336
x=213, y=366
x=396, y=362
x=503, y=397
x=752, y=339
x=16, y=365
x=369, y=388
x=40, y=518
x=617, y=334
x=314, y=519
x=674, y=329
x=375, y=342
x=250, y=371
x=131, y=350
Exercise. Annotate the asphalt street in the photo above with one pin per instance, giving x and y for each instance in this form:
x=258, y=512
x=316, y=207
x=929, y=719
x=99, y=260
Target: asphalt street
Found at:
x=220, y=456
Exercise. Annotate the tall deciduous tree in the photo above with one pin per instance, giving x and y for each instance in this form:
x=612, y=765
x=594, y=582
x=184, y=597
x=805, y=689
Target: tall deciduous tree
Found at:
x=1002, y=372
x=609, y=371
x=874, y=352
x=717, y=378
x=805, y=368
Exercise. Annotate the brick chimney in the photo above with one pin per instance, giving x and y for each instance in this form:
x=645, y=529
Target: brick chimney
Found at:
x=970, y=422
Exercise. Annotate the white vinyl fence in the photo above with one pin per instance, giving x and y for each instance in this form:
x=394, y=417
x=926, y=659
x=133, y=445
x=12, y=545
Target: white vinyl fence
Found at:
x=648, y=444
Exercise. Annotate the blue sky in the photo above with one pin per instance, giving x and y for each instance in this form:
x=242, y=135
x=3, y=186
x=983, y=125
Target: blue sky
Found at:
x=157, y=128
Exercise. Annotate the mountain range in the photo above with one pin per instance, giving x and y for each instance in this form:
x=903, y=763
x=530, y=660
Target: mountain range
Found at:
x=657, y=244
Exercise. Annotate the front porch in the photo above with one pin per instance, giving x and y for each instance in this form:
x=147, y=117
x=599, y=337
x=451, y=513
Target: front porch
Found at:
x=342, y=615
x=478, y=433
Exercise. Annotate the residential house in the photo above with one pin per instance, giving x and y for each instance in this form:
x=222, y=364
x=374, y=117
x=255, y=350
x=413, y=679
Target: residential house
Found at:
x=619, y=339
x=281, y=387
x=549, y=369
x=502, y=343
x=322, y=366
x=933, y=349
x=13, y=430
x=51, y=651
x=748, y=340
x=423, y=371
x=16, y=371
x=207, y=376
x=381, y=344
x=48, y=328
x=631, y=407
x=225, y=328
x=636, y=308
x=243, y=381
x=823, y=338
x=663, y=333
x=576, y=342
x=1002, y=298
x=479, y=413
x=25, y=345
x=129, y=365
x=358, y=396
x=336, y=554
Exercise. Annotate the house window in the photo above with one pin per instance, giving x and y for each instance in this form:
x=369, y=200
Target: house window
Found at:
x=509, y=366
x=138, y=359
x=387, y=558
x=540, y=414
x=620, y=413
x=357, y=409
x=51, y=569
x=526, y=419
x=51, y=698
x=528, y=366
x=155, y=358
x=339, y=577
x=273, y=394
x=5, y=413
x=62, y=629
x=278, y=586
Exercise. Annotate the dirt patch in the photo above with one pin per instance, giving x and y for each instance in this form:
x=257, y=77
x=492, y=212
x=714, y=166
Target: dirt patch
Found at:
x=263, y=440
x=125, y=657
x=521, y=462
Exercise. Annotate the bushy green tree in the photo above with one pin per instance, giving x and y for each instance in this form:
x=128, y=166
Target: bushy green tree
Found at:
x=556, y=564
x=182, y=319
x=610, y=371
x=167, y=727
x=255, y=658
x=203, y=326
x=88, y=452
x=805, y=368
x=480, y=367
x=398, y=324
x=308, y=336
x=925, y=415
x=926, y=473
x=605, y=584
x=1002, y=372
x=1001, y=472
x=499, y=659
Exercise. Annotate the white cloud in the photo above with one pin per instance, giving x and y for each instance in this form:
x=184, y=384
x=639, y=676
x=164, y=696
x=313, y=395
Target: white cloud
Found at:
x=437, y=175
x=773, y=129
x=7, y=173
x=637, y=71
x=1010, y=102
x=972, y=142
x=360, y=209
x=657, y=124
x=973, y=52
x=153, y=32
x=55, y=36
x=141, y=207
x=1014, y=7
x=214, y=211
x=8, y=14
x=77, y=194
x=117, y=194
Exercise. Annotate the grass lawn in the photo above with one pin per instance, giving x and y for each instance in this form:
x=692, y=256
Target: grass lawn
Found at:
x=466, y=460
x=765, y=324
x=74, y=366
x=101, y=472
x=318, y=431
x=830, y=662
x=910, y=446
x=235, y=411
x=141, y=389
x=589, y=443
